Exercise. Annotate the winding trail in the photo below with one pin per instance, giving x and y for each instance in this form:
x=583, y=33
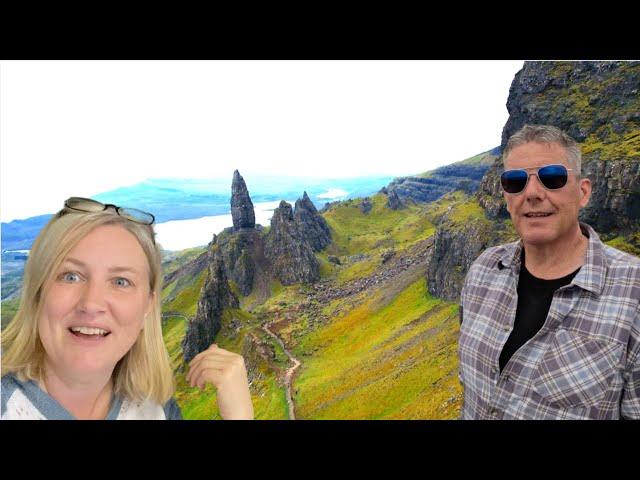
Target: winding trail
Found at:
x=288, y=377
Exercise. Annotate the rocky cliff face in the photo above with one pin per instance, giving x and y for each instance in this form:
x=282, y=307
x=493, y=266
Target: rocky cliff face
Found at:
x=242, y=211
x=489, y=193
x=393, y=200
x=214, y=298
x=598, y=104
x=456, y=245
x=242, y=253
x=465, y=175
x=288, y=251
x=311, y=224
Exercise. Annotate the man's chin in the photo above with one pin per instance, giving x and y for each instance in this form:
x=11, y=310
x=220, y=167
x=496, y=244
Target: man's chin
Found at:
x=537, y=239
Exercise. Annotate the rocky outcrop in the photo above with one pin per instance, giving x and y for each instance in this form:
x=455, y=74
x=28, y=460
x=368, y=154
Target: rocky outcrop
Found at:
x=456, y=246
x=288, y=251
x=311, y=224
x=242, y=211
x=598, y=104
x=465, y=176
x=214, y=298
x=393, y=200
x=615, y=198
x=489, y=193
x=242, y=253
x=365, y=205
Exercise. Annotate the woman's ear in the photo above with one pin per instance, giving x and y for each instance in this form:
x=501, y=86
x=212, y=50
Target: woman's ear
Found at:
x=150, y=304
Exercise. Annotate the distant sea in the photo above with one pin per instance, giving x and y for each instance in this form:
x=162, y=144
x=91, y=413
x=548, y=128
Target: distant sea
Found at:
x=172, y=200
x=181, y=234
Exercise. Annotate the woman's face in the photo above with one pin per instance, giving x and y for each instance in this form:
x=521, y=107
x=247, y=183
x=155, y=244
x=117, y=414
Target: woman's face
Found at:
x=95, y=308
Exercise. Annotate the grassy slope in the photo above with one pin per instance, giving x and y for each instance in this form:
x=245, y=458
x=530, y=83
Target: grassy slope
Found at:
x=174, y=260
x=484, y=158
x=391, y=360
x=383, y=354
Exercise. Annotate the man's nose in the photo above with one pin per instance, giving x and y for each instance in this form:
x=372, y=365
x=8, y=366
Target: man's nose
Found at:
x=93, y=298
x=534, y=189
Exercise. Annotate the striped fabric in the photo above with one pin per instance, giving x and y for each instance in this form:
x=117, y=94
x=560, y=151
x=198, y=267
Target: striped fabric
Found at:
x=584, y=363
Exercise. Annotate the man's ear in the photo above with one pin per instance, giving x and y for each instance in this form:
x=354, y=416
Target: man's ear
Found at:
x=585, y=192
x=504, y=198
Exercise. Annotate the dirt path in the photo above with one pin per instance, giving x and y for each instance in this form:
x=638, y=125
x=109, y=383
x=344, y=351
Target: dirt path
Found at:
x=288, y=377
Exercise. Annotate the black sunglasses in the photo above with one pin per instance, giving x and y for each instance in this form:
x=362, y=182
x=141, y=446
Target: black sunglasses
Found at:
x=552, y=177
x=89, y=205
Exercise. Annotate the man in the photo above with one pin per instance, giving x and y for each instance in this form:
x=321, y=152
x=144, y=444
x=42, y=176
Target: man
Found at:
x=551, y=323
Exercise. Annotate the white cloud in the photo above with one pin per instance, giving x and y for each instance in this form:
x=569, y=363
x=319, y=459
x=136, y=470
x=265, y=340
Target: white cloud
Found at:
x=333, y=193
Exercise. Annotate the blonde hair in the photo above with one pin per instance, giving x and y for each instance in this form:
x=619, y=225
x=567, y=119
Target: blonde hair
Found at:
x=145, y=370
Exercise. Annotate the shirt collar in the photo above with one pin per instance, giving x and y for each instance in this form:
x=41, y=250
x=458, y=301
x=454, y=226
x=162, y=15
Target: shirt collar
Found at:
x=592, y=274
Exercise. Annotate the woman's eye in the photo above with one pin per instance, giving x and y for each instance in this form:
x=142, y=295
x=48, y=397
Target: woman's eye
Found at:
x=122, y=282
x=70, y=277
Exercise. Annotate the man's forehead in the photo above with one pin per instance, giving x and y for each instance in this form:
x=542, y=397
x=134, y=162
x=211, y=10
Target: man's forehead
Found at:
x=533, y=154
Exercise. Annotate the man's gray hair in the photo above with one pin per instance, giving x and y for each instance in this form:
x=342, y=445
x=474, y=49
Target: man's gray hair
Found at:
x=546, y=134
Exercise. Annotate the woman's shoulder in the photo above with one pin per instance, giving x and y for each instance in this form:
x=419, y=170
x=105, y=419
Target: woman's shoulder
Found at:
x=8, y=387
x=149, y=410
x=17, y=401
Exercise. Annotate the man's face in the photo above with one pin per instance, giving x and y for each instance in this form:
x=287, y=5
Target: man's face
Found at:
x=562, y=205
x=95, y=308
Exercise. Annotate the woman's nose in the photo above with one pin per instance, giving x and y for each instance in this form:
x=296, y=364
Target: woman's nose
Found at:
x=93, y=298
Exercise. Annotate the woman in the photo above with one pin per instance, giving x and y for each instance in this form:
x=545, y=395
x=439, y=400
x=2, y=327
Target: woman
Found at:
x=87, y=342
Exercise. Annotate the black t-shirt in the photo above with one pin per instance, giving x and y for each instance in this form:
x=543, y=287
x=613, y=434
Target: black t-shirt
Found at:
x=534, y=300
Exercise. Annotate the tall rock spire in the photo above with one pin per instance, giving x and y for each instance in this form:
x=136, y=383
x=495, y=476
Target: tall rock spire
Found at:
x=241, y=205
x=311, y=224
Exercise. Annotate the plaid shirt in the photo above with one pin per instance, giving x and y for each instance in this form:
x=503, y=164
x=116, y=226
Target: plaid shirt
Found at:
x=584, y=363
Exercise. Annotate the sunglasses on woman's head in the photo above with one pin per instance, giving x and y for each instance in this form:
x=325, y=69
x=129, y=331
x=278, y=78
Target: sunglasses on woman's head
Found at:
x=88, y=205
x=552, y=177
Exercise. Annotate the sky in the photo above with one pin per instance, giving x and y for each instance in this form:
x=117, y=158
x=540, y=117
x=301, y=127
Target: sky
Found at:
x=79, y=128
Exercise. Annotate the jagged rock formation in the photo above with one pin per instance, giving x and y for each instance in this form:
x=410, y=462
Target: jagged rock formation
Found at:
x=455, y=248
x=287, y=249
x=489, y=193
x=393, y=200
x=615, y=198
x=242, y=253
x=598, y=104
x=241, y=205
x=311, y=224
x=214, y=298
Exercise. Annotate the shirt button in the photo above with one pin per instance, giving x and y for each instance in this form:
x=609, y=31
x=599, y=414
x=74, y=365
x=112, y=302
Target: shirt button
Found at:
x=494, y=413
x=506, y=328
